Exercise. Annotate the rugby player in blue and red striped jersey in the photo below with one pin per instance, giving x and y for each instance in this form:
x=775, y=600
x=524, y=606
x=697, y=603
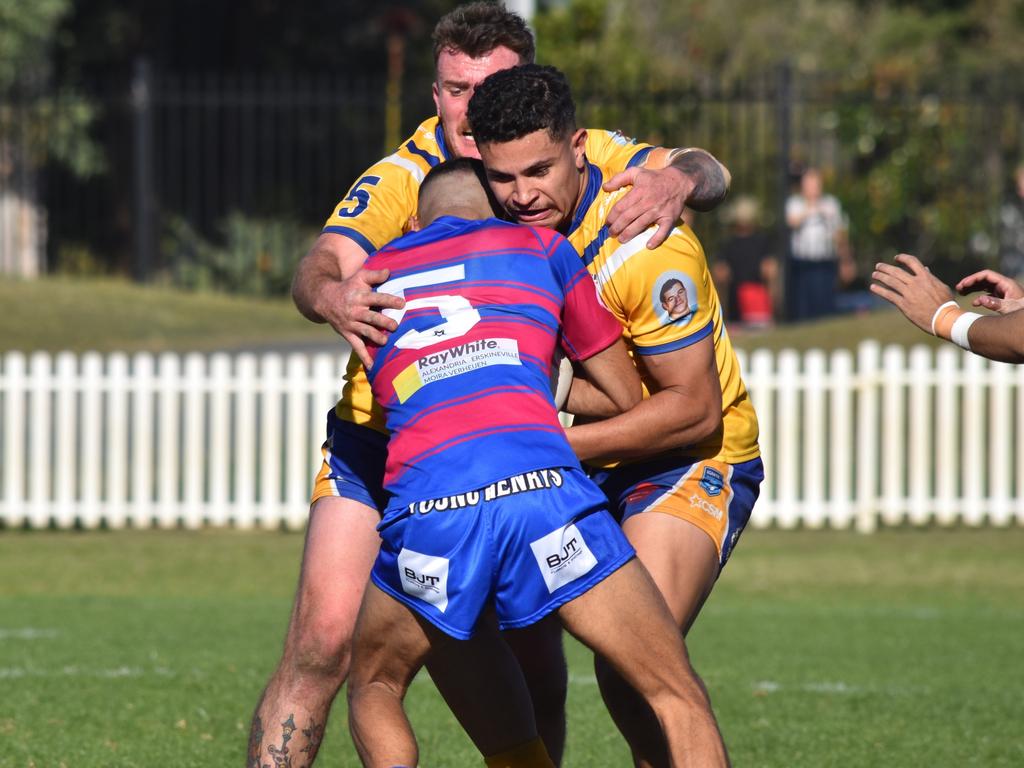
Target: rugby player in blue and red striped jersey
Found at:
x=489, y=508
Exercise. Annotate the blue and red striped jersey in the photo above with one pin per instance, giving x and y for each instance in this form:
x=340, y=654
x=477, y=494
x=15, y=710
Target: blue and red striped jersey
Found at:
x=465, y=380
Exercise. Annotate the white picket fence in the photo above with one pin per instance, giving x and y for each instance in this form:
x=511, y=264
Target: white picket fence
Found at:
x=849, y=440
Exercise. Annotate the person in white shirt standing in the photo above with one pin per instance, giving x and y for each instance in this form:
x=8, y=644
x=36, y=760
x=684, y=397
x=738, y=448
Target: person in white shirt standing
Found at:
x=819, y=248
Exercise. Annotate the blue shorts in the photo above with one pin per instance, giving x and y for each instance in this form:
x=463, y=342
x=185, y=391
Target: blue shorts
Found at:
x=528, y=543
x=353, y=468
x=712, y=495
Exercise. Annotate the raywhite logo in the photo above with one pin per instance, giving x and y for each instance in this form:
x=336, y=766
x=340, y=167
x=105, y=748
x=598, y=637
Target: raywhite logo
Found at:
x=425, y=577
x=470, y=356
x=562, y=556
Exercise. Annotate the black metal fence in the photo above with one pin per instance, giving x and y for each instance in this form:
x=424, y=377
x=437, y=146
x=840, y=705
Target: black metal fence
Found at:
x=223, y=180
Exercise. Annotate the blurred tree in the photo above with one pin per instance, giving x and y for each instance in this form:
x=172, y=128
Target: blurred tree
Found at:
x=732, y=39
x=45, y=121
x=203, y=49
x=904, y=100
x=38, y=123
x=342, y=38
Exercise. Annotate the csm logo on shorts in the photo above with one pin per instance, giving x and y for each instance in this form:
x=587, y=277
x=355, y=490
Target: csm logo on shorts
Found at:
x=562, y=556
x=425, y=577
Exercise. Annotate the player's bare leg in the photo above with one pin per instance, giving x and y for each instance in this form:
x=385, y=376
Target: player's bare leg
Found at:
x=481, y=674
x=624, y=620
x=683, y=562
x=542, y=659
x=458, y=667
x=389, y=648
x=341, y=544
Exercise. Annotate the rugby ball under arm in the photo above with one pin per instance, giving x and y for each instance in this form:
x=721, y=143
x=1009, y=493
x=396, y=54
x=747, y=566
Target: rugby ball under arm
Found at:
x=561, y=380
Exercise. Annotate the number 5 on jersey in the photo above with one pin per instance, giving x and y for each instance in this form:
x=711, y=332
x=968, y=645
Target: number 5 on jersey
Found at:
x=358, y=195
x=457, y=312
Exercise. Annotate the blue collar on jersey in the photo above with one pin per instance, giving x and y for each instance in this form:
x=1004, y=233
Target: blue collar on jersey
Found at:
x=440, y=228
x=594, y=181
x=439, y=138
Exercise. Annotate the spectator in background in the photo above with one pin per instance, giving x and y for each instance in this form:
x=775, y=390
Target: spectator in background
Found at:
x=745, y=271
x=1011, y=229
x=819, y=248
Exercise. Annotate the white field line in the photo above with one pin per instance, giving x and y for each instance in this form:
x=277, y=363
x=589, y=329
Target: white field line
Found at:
x=837, y=687
x=915, y=613
x=73, y=670
x=27, y=633
x=768, y=686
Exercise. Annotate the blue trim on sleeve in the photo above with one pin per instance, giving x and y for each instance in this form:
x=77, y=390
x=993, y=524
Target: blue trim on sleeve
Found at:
x=639, y=157
x=672, y=346
x=431, y=160
x=352, y=234
x=591, y=251
x=594, y=182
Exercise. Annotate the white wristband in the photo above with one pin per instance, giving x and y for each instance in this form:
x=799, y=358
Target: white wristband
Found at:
x=941, y=307
x=959, y=333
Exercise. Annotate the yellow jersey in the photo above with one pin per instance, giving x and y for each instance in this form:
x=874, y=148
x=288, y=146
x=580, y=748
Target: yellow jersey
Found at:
x=378, y=207
x=665, y=300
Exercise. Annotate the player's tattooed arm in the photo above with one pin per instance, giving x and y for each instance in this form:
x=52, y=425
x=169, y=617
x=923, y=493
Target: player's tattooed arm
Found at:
x=661, y=190
x=710, y=177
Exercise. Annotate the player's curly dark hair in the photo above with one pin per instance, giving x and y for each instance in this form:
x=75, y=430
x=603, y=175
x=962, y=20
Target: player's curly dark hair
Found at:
x=515, y=102
x=478, y=28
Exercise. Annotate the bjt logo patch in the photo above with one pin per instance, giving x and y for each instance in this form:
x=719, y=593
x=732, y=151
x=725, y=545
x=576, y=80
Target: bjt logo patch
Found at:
x=425, y=577
x=712, y=481
x=562, y=556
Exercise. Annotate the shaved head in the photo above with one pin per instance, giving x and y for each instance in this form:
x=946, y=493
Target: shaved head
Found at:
x=455, y=188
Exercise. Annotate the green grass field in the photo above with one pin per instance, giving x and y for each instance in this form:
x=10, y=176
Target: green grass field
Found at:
x=55, y=314
x=146, y=649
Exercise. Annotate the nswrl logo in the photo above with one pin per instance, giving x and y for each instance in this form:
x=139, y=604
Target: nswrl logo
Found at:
x=712, y=481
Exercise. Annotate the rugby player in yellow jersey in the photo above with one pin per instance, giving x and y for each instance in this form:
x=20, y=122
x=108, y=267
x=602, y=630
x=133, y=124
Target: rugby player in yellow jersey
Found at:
x=471, y=43
x=683, y=467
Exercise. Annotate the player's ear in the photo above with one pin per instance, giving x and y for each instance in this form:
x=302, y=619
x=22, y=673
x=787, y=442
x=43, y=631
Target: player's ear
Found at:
x=437, y=96
x=579, y=144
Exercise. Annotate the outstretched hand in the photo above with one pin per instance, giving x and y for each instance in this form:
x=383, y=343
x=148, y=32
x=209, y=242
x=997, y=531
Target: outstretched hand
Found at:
x=352, y=307
x=1002, y=294
x=657, y=198
x=911, y=288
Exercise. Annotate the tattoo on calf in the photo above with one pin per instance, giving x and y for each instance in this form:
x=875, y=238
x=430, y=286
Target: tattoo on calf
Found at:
x=280, y=754
x=255, y=743
x=315, y=734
